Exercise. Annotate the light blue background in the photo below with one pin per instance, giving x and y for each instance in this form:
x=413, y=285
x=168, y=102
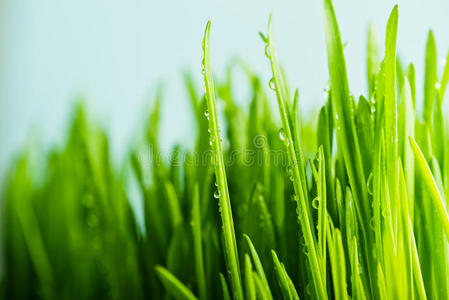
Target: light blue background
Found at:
x=115, y=52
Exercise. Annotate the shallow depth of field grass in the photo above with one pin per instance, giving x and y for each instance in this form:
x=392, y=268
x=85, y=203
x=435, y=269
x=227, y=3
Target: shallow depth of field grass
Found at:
x=270, y=207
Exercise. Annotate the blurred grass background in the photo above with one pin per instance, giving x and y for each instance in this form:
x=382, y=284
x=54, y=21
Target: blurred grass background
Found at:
x=114, y=53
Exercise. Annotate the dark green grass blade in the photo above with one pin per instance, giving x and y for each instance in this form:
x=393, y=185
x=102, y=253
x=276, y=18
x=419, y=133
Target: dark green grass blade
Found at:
x=173, y=286
x=259, y=268
x=198, y=244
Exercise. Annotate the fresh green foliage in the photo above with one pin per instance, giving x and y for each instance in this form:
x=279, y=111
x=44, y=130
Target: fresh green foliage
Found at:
x=270, y=206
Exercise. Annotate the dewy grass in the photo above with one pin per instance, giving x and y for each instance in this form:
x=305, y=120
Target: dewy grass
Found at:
x=354, y=206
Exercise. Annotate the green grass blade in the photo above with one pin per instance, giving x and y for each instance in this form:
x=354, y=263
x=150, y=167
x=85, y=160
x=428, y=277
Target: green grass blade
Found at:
x=444, y=80
x=249, y=279
x=430, y=78
x=284, y=280
x=296, y=170
x=258, y=266
x=173, y=205
x=343, y=111
x=372, y=59
x=173, y=286
x=410, y=73
x=230, y=244
x=338, y=265
x=432, y=186
x=198, y=244
x=224, y=288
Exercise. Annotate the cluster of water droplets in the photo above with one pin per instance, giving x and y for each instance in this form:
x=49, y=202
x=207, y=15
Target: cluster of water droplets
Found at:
x=88, y=202
x=203, y=67
x=217, y=191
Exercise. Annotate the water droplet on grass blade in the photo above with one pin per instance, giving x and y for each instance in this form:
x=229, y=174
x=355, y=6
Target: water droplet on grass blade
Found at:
x=217, y=194
x=369, y=184
x=316, y=203
x=206, y=114
x=282, y=134
x=272, y=84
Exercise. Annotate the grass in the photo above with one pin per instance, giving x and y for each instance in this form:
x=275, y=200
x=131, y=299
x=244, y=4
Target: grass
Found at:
x=272, y=206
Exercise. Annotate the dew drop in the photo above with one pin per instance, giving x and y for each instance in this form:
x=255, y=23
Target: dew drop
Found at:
x=206, y=114
x=272, y=84
x=369, y=184
x=316, y=203
x=217, y=194
x=216, y=184
x=282, y=134
x=437, y=85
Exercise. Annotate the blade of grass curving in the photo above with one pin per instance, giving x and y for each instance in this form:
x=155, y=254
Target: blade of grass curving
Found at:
x=173, y=286
x=258, y=266
x=261, y=290
x=230, y=244
x=285, y=283
x=286, y=134
x=432, y=186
